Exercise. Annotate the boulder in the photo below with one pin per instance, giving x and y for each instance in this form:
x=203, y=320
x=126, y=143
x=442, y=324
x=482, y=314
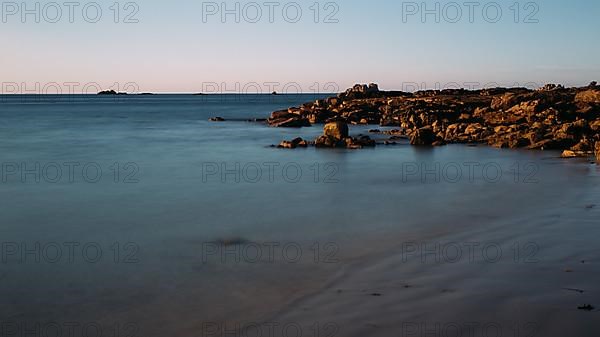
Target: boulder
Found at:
x=574, y=154
x=359, y=91
x=584, y=145
x=280, y=114
x=297, y=142
x=359, y=142
x=336, y=130
x=423, y=137
x=286, y=144
x=551, y=87
x=504, y=102
x=329, y=142
x=333, y=101
x=474, y=129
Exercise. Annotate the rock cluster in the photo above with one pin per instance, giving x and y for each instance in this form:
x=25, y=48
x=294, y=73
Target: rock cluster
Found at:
x=295, y=143
x=552, y=117
x=335, y=135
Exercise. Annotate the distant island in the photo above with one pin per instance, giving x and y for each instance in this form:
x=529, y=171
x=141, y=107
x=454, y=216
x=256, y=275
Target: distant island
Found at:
x=111, y=92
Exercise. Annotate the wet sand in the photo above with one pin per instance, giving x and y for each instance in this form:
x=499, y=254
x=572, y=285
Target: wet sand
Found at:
x=488, y=268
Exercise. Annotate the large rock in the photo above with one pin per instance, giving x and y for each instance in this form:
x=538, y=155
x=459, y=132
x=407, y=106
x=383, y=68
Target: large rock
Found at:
x=359, y=91
x=597, y=150
x=336, y=130
x=423, y=136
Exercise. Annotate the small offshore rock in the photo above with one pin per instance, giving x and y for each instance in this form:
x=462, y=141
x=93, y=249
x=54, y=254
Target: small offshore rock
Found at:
x=297, y=142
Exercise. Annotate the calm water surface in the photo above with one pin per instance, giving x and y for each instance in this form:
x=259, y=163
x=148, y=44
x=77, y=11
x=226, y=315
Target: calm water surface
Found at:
x=152, y=182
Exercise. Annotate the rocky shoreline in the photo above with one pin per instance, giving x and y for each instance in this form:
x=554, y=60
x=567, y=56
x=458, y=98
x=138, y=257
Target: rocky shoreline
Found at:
x=550, y=118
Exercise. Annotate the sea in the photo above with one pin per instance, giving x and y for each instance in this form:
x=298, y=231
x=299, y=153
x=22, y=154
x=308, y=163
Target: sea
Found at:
x=137, y=216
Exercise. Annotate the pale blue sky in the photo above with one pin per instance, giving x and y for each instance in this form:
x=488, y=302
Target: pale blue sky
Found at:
x=171, y=49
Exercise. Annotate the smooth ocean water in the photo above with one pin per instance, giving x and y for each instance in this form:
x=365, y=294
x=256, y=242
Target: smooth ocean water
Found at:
x=163, y=206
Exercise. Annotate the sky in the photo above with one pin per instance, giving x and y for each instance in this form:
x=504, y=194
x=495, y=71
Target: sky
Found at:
x=295, y=46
